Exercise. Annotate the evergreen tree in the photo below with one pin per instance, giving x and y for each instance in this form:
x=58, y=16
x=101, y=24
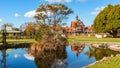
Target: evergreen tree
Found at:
x=108, y=20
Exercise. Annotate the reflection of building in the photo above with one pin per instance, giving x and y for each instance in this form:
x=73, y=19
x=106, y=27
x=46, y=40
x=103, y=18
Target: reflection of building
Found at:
x=77, y=26
x=77, y=49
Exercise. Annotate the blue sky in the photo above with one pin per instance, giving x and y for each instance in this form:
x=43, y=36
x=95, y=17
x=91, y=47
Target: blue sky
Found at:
x=18, y=12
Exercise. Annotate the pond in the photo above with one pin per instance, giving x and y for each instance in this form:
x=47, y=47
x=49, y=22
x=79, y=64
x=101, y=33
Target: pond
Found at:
x=72, y=57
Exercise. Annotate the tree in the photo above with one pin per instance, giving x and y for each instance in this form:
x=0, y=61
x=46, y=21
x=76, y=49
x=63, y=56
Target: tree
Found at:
x=108, y=20
x=30, y=29
x=52, y=14
x=43, y=33
x=48, y=17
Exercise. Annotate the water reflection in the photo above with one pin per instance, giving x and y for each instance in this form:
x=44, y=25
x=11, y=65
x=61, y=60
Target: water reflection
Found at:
x=3, y=59
x=53, y=57
x=6, y=48
x=75, y=56
x=49, y=59
x=77, y=49
x=98, y=53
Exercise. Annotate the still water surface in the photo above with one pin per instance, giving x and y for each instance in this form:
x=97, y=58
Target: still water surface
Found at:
x=73, y=57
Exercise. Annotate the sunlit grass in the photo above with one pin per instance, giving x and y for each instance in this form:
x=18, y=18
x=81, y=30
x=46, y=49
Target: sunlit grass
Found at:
x=20, y=40
x=93, y=39
x=81, y=38
x=113, y=62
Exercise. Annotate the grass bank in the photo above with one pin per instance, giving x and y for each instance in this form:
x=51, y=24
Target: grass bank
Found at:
x=20, y=40
x=17, y=41
x=93, y=39
x=81, y=38
x=112, y=62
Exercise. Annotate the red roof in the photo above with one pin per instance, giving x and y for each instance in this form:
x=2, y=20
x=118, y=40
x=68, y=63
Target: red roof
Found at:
x=68, y=28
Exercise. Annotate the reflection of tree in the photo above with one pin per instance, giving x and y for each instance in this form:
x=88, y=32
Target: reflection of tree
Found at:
x=100, y=53
x=47, y=59
x=3, y=60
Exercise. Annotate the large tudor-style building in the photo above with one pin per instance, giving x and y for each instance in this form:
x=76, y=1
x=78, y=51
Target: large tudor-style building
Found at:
x=77, y=27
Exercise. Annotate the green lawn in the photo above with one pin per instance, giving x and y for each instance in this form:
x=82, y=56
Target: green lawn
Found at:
x=81, y=38
x=18, y=40
x=93, y=39
x=113, y=62
x=21, y=40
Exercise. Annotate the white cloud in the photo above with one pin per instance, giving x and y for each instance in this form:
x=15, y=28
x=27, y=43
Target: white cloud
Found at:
x=68, y=0
x=52, y=1
x=30, y=14
x=16, y=15
x=82, y=0
x=97, y=10
x=102, y=7
x=0, y=20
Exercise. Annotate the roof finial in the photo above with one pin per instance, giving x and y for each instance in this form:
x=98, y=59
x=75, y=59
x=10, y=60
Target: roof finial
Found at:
x=77, y=17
